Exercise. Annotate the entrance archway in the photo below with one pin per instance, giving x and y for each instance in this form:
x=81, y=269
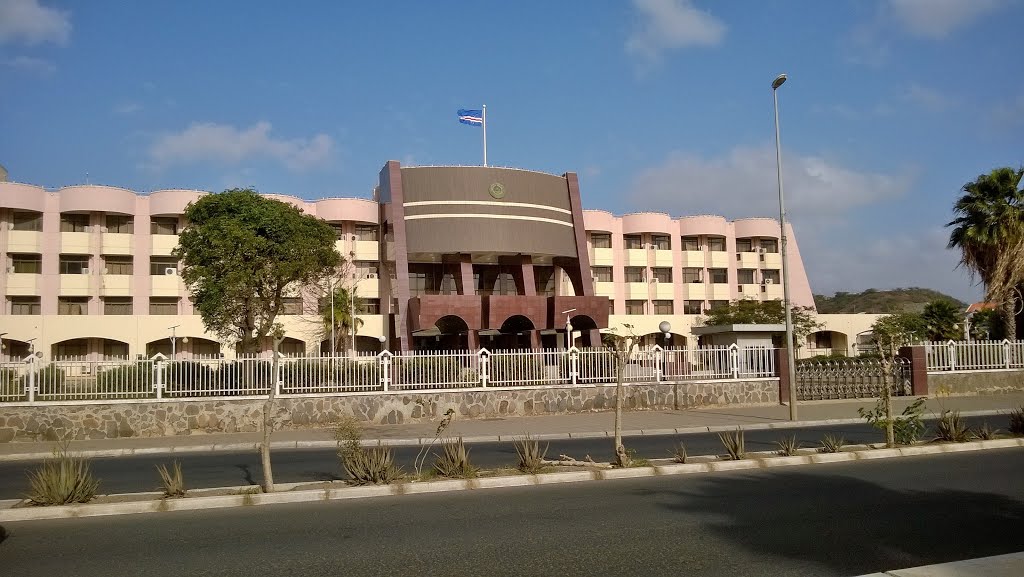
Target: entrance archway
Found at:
x=514, y=333
x=450, y=332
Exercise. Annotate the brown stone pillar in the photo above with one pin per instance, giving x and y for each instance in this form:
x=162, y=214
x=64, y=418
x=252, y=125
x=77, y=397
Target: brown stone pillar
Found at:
x=473, y=340
x=918, y=369
x=535, y=340
x=782, y=371
x=595, y=338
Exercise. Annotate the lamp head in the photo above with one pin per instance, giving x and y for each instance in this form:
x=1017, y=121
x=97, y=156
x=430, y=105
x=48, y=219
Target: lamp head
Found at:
x=781, y=78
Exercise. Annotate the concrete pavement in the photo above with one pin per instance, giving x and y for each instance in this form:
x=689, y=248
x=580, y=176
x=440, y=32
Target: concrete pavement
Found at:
x=578, y=425
x=1010, y=565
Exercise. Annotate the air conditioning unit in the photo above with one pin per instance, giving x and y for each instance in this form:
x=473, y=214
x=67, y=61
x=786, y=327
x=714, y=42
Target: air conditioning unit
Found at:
x=170, y=271
x=761, y=250
x=371, y=275
x=353, y=238
x=654, y=280
x=85, y=270
x=106, y=271
x=768, y=281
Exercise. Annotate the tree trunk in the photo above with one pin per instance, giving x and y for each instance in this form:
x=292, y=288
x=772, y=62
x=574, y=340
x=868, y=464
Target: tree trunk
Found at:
x=621, y=457
x=268, y=421
x=890, y=434
x=1009, y=322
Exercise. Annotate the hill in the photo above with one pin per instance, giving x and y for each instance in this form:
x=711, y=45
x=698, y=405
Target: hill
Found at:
x=880, y=301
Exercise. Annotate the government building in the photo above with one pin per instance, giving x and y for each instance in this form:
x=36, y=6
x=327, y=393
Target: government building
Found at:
x=442, y=257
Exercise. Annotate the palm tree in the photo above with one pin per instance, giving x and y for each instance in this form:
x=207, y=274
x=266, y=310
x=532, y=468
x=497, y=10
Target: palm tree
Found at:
x=989, y=232
x=344, y=304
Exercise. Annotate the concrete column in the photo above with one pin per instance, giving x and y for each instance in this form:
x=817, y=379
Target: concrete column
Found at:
x=918, y=369
x=535, y=340
x=473, y=340
x=784, y=374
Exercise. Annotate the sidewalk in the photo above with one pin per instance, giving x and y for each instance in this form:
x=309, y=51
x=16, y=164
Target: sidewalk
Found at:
x=542, y=427
x=1011, y=565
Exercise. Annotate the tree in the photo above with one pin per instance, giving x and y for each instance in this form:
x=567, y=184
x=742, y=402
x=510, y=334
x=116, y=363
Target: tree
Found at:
x=891, y=332
x=622, y=347
x=987, y=324
x=241, y=255
x=943, y=321
x=752, y=312
x=345, y=302
x=989, y=233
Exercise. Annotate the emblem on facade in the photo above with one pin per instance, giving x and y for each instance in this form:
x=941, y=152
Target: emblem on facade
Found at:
x=497, y=190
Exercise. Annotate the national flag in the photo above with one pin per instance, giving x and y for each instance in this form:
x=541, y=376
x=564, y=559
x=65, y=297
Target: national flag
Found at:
x=471, y=117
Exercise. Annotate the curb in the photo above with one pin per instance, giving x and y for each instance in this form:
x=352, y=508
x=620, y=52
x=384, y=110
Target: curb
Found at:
x=418, y=441
x=342, y=493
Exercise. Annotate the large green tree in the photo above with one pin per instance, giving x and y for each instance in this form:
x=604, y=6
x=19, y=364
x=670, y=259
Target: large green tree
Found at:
x=989, y=233
x=241, y=255
x=752, y=312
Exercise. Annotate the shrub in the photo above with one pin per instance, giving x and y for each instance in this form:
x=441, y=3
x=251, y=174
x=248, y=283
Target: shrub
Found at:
x=1017, y=421
x=986, y=433
x=62, y=479
x=138, y=375
x=424, y=369
x=788, y=446
x=516, y=369
x=679, y=453
x=374, y=465
x=952, y=427
x=48, y=378
x=831, y=444
x=453, y=462
x=734, y=445
x=907, y=426
x=531, y=457
x=173, y=481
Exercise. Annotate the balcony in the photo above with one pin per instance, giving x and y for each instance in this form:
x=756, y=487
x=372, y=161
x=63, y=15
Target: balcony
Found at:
x=693, y=259
x=117, y=243
x=719, y=259
x=116, y=285
x=749, y=291
x=720, y=292
x=166, y=285
x=636, y=257
x=771, y=292
x=74, y=285
x=771, y=260
x=23, y=284
x=662, y=258
x=24, y=241
x=603, y=257
x=637, y=291
x=747, y=260
x=604, y=289
x=163, y=244
x=664, y=291
x=75, y=243
x=694, y=291
x=367, y=250
x=368, y=288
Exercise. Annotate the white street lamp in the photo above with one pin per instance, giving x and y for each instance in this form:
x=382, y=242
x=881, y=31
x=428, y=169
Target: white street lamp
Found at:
x=568, y=328
x=786, y=303
x=173, y=339
x=2, y=345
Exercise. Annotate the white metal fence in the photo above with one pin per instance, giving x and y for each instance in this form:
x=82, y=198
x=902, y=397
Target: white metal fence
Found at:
x=70, y=380
x=974, y=355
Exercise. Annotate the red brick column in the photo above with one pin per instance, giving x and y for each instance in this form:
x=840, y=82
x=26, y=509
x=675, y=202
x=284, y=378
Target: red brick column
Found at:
x=918, y=369
x=782, y=371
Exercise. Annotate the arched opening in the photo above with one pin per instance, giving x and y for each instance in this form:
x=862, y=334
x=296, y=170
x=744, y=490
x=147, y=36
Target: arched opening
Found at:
x=367, y=345
x=825, y=343
x=675, y=341
x=514, y=334
x=13, y=351
x=450, y=332
x=70, y=350
x=292, y=347
x=583, y=330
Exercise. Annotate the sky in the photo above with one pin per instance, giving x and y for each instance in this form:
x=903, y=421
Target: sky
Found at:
x=891, y=106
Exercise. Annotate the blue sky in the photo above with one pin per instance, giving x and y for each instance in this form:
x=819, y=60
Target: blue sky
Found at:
x=665, y=105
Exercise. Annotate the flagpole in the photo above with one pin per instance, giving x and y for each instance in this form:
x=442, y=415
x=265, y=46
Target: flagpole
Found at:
x=483, y=118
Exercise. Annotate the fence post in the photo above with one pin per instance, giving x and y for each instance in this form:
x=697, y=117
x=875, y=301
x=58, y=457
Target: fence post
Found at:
x=574, y=365
x=384, y=358
x=30, y=382
x=918, y=357
x=1006, y=352
x=951, y=351
x=659, y=360
x=734, y=360
x=485, y=357
x=159, y=365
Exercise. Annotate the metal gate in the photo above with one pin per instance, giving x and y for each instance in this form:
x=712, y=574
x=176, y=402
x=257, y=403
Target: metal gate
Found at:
x=850, y=379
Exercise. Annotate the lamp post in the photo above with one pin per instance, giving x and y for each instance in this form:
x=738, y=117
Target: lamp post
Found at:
x=786, y=303
x=173, y=339
x=568, y=328
x=331, y=288
x=2, y=345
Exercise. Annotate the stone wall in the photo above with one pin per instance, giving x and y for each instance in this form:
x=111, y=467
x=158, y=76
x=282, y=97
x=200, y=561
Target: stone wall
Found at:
x=975, y=383
x=156, y=419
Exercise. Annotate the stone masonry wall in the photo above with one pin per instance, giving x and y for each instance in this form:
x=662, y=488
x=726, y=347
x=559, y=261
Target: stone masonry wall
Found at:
x=157, y=419
x=975, y=383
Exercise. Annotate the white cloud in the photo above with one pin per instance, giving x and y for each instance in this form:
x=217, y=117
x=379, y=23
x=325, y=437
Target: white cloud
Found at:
x=668, y=24
x=1008, y=114
x=27, y=22
x=743, y=183
x=32, y=65
x=229, y=145
x=937, y=18
x=927, y=98
x=127, y=108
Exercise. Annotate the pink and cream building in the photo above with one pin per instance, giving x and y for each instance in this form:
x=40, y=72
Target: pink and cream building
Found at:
x=88, y=269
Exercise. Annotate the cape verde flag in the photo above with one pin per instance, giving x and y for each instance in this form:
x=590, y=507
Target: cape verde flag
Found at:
x=471, y=117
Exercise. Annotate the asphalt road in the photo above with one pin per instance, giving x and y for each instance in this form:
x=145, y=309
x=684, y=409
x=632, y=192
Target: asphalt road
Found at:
x=839, y=519
x=225, y=469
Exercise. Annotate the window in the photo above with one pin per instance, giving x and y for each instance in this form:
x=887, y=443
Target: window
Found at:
x=635, y=274
x=692, y=307
x=611, y=307
x=71, y=349
x=158, y=266
x=117, y=265
x=72, y=305
x=163, y=305
x=291, y=306
x=74, y=264
x=769, y=245
x=114, y=350
x=716, y=243
x=662, y=274
x=602, y=273
x=544, y=280
x=32, y=221
x=366, y=268
x=339, y=232
x=692, y=275
x=661, y=242
x=770, y=276
x=633, y=241
x=719, y=275
x=715, y=305
x=691, y=243
x=73, y=222
x=663, y=307
x=600, y=240
x=366, y=232
x=120, y=224
x=744, y=245
x=635, y=307
x=117, y=306
x=163, y=225
x=27, y=263
x=367, y=306
x=25, y=306
x=745, y=276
